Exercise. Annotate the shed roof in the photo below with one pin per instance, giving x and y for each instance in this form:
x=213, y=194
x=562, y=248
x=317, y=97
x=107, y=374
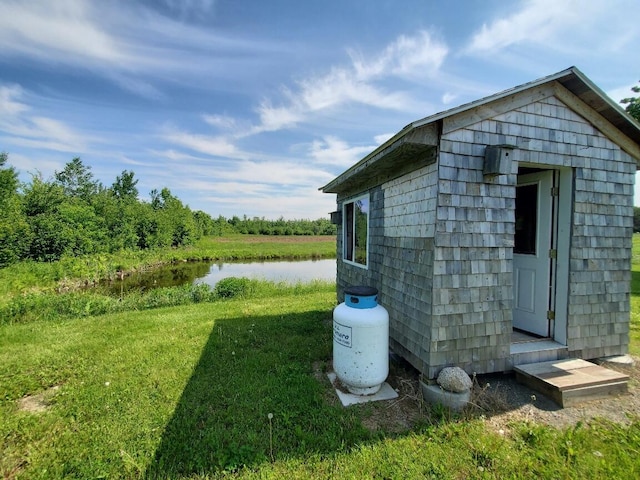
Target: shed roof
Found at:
x=572, y=79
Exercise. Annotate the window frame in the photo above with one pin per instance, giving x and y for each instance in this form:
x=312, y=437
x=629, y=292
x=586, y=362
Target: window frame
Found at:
x=349, y=233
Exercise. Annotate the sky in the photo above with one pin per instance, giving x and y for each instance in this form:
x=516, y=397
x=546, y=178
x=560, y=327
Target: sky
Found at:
x=248, y=107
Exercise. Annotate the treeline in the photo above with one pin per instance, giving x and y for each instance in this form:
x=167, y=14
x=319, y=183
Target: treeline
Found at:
x=260, y=226
x=74, y=214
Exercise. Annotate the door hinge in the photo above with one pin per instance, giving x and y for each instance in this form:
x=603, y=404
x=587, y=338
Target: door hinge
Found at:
x=551, y=315
x=555, y=191
x=553, y=253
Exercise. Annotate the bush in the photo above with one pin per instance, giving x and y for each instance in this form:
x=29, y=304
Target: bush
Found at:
x=202, y=293
x=232, y=287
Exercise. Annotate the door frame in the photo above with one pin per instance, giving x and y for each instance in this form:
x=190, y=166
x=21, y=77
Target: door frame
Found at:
x=560, y=326
x=533, y=269
x=562, y=209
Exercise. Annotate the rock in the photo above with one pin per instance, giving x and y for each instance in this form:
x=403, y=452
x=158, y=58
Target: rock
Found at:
x=454, y=379
x=434, y=394
x=617, y=359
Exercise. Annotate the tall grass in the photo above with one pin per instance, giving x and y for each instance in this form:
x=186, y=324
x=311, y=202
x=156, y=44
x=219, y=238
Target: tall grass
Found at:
x=48, y=306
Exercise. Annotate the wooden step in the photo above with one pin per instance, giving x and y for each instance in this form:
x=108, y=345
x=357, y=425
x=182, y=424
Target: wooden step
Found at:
x=571, y=381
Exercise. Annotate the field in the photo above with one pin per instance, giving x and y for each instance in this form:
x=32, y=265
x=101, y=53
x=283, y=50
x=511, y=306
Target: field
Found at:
x=234, y=386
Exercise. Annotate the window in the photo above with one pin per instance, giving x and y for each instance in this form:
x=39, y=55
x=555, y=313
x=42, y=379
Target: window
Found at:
x=356, y=230
x=526, y=219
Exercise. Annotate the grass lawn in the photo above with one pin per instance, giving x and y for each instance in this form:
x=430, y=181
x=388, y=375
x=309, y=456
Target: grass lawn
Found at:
x=188, y=392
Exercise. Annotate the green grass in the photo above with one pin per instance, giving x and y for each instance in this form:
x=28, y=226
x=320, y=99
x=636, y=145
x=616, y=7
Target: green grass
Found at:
x=186, y=392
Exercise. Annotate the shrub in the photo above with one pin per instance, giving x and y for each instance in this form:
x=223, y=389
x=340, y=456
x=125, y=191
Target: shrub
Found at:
x=232, y=287
x=201, y=293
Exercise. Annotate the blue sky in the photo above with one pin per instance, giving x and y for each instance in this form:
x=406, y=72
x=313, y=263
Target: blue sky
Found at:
x=249, y=106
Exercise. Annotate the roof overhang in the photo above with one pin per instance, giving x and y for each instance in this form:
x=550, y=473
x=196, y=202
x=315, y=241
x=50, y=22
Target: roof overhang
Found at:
x=413, y=146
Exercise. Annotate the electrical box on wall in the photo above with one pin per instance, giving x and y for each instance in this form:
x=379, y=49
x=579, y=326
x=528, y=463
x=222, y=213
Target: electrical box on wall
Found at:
x=497, y=160
x=336, y=217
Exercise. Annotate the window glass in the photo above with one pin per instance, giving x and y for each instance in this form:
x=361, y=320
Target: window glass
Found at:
x=526, y=219
x=356, y=230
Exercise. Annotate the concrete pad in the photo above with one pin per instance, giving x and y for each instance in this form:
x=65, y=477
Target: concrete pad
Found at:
x=385, y=393
x=437, y=395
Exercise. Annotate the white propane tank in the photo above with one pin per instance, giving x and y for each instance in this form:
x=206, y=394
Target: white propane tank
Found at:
x=361, y=341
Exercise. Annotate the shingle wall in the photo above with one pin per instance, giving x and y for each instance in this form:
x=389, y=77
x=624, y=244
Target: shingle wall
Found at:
x=472, y=281
x=473, y=263
x=441, y=242
x=407, y=263
x=600, y=260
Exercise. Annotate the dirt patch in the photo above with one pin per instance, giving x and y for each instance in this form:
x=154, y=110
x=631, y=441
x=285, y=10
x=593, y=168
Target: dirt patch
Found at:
x=38, y=403
x=497, y=398
x=522, y=403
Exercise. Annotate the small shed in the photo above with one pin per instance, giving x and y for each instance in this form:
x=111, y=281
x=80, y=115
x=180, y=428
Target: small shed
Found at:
x=499, y=232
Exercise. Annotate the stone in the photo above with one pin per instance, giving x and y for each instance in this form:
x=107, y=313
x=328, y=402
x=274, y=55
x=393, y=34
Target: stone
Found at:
x=626, y=360
x=437, y=395
x=454, y=379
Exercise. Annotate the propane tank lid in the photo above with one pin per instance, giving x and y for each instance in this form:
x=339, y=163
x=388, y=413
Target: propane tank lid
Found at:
x=361, y=297
x=361, y=291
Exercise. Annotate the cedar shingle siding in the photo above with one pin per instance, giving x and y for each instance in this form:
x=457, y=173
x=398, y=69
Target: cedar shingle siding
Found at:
x=441, y=237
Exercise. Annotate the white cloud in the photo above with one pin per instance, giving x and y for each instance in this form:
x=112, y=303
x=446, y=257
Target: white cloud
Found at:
x=230, y=188
x=380, y=139
x=9, y=105
x=309, y=204
x=409, y=58
x=126, y=42
x=37, y=27
x=207, y=144
x=223, y=122
x=333, y=151
x=276, y=118
x=341, y=86
x=448, y=97
x=280, y=173
x=46, y=164
x=560, y=25
x=22, y=127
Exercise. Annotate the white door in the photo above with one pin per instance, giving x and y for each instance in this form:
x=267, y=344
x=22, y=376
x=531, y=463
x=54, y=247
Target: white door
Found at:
x=531, y=261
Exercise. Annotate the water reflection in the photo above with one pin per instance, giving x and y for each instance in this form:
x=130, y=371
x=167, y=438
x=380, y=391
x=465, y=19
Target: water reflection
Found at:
x=211, y=273
x=288, y=271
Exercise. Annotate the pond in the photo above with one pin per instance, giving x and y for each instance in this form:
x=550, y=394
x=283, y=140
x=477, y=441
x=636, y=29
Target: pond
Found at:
x=291, y=271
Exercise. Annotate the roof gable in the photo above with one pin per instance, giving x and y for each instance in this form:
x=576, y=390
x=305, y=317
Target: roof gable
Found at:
x=570, y=85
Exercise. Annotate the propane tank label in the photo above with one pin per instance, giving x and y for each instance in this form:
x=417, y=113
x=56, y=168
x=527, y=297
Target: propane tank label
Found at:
x=342, y=334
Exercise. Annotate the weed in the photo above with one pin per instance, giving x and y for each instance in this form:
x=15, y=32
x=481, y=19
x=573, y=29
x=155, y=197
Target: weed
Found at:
x=486, y=399
x=270, y=417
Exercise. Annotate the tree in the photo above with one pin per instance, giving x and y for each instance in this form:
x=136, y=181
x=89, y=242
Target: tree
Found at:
x=8, y=179
x=77, y=180
x=125, y=186
x=42, y=197
x=15, y=234
x=633, y=104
